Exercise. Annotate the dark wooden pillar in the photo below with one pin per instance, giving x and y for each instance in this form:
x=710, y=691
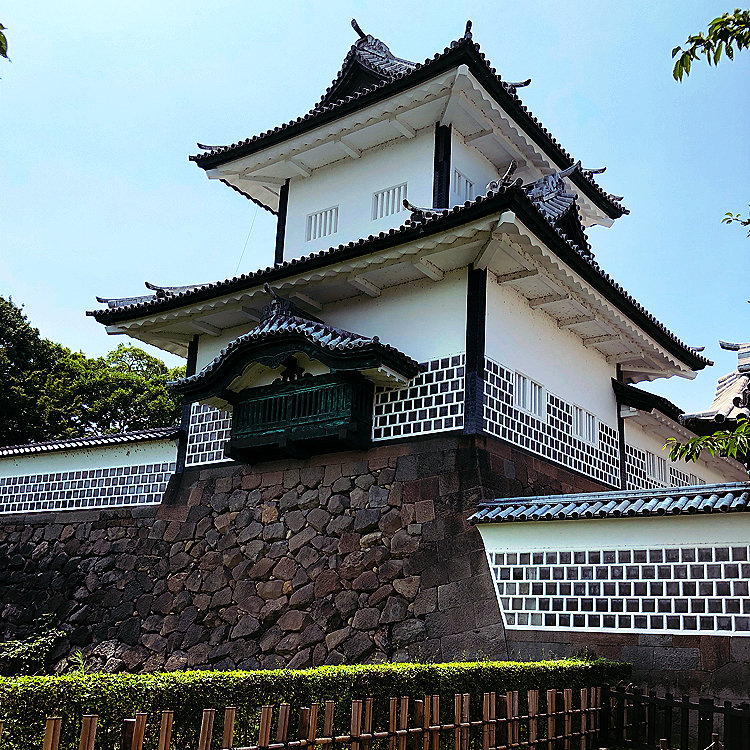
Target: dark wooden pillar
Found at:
x=476, y=314
x=621, y=436
x=281, y=222
x=442, y=172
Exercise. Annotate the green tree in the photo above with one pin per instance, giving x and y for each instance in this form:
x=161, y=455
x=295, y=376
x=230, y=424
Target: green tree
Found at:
x=26, y=360
x=724, y=34
x=48, y=392
x=123, y=391
x=728, y=443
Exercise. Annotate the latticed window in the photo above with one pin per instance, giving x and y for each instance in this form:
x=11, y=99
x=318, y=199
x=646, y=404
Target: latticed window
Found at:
x=322, y=223
x=656, y=468
x=529, y=396
x=584, y=425
x=463, y=187
x=388, y=201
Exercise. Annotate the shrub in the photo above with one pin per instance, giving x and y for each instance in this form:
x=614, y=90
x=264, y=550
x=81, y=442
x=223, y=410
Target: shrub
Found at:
x=30, y=655
x=26, y=701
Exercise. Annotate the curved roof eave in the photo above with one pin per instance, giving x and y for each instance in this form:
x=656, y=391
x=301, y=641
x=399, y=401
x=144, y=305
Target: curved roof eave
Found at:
x=507, y=199
x=462, y=51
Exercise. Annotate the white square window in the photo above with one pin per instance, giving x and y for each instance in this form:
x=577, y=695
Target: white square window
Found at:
x=462, y=186
x=322, y=223
x=584, y=425
x=656, y=468
x=388, y=201
x=529, y=396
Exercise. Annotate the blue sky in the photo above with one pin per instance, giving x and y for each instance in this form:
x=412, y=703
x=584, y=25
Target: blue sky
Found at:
x=104, y=101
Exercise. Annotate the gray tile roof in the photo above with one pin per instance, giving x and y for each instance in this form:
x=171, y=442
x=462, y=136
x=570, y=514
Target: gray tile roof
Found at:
x=281, y=318
x=706, y=498
x=420, y=225
x=91, y=441
x=401, y=74
x=732, y=397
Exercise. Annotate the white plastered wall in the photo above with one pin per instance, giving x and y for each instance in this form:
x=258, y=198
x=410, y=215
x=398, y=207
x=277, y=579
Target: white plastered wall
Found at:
x=473, y=165
x=617, y=533
x=350, y=184
x=424, y=319
x=710, y=472
x=210, y=346
x=529, y=341
x=78, y=459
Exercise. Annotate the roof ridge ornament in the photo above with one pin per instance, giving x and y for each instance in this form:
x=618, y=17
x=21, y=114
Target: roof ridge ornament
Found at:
x=467, y=32
x=358, y=29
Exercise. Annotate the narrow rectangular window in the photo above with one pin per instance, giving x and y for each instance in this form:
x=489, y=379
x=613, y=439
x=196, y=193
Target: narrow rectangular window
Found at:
x=463, y=187
x=584, y=425
x=388, y=201
x=322, y=223
x=529, y=396
x=656, y=468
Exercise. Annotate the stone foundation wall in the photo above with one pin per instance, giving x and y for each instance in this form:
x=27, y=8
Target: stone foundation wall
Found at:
x=346, y=558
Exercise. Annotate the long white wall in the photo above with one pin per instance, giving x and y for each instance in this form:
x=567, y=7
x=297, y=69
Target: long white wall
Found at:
x=661, y=574
x=350, y=184
x=529, y=341
x=97, y=477
x=155, y=451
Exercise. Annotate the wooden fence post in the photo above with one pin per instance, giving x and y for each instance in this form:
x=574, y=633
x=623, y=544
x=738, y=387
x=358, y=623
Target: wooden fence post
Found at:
x=52, y=732
x=705, y=721
x=264, y=732
x=533, y=703
x=551, y=698
x=165, y=730
x=367, y=729
x=684, y=722
x=328, y=722
x=282, y=728
x=312, y=730
x=392, y=716
x=668, y=718
x=584, y=723
x=227, y=738
x=605, y=715
x=139, y=731
x=435, y=733
x=88, y=732
x=355, y=728
x=403, y=722
x=418, y=724
x=207, y=729
x=128, y=727
x=425, y=723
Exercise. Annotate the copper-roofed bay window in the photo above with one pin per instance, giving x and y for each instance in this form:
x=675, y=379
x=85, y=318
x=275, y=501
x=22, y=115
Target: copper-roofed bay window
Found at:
x=297, y=386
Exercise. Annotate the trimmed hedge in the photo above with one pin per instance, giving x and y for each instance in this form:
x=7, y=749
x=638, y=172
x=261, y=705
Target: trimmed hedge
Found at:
x=26, y=701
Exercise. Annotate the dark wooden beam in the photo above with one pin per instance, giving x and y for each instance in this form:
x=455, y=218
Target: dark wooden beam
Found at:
x=281, y=222
x=621, y=435
x=442, y=171
x=476, y=313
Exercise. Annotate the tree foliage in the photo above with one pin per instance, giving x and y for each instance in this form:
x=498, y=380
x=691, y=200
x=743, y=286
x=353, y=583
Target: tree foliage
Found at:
x=49, y=392
x=3, y=43
x=728, y=443
x=724, y=33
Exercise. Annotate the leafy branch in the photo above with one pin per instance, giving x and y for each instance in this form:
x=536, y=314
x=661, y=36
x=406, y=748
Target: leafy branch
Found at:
x=3, y=43
x=728, y=443
x=724, y=33
x=730, y=218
